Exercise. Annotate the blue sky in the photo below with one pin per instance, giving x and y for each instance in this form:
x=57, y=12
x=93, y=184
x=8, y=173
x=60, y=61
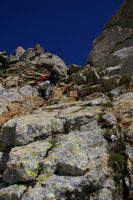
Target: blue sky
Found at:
x=62, y=27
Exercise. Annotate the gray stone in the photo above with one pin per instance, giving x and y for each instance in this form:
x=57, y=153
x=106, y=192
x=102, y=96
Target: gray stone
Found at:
x=82, y=77
x=12, y=59
x=123, y=110
x=13, y=192
x=86, y=90
x=78, y=78
x=39, y=50
x=3, y=108
x=96, y=99
x=103, y=194
x=117, y=91
x=123, y=16
x=115, y=60
x=92, y=76
x=129, y=152
x=74, y=68
x=53, y=64
x=104, y=44
x=112, y=70
x=19, y=52
x=76, y=154
x=110, y=118
x=123, y=53
x=23, y=130
x=66, y=187
x=32, y=54
x=78, y=116
x=126, y=97
x=3, y=161
x=28, y=55
x=36, y=193
x=69, y=165
x=23, y=164
x=77, y=161
x=26, y=91
x=9, y=96
x=114, y=45
x=110, y=82
x=129, y=133
x=59, y=150
x=2, y=90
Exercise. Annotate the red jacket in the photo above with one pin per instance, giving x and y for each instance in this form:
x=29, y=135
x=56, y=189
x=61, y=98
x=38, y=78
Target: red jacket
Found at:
x=42, y=78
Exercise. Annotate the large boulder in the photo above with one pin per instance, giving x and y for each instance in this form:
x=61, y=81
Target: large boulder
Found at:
x=23, y=164
x=85, y=76
x=74, y=68
x=54, y=64
x=25, y=129
x=13, y=192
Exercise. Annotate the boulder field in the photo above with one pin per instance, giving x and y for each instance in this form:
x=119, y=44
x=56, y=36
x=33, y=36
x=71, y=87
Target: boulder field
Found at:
x=78, y=145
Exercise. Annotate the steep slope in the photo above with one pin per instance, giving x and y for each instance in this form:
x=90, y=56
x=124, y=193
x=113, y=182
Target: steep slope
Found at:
x=74, y=146
x=78, y=145
x=123, y=17
x=114, y=45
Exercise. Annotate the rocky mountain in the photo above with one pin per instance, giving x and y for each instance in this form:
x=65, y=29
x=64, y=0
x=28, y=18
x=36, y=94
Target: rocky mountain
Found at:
x=24, y=66
x=114, y=46
x=78, y=145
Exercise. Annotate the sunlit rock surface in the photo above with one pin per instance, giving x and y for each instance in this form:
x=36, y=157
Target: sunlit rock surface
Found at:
x=78, y=145
x=114, y=45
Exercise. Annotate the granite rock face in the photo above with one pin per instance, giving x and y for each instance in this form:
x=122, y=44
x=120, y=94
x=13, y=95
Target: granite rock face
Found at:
x=73, y=149
x=23, y=163
x=71, y=159
x=61, y=151
x=13, y=192
x=78, y=145
x=114, y=45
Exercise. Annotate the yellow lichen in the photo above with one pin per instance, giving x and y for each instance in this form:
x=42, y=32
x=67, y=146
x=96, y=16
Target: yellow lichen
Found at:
x=33, y=154
x=61, y=146
x=42, y=178
x=30, y=172
x=55, y=187
x=83, y=142
x=15, y=185
x=80, y=155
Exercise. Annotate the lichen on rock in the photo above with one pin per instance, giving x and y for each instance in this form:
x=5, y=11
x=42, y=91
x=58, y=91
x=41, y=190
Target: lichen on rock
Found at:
x=78, y=145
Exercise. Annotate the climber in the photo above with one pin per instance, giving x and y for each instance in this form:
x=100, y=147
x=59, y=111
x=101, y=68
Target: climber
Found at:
x=45, y=85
